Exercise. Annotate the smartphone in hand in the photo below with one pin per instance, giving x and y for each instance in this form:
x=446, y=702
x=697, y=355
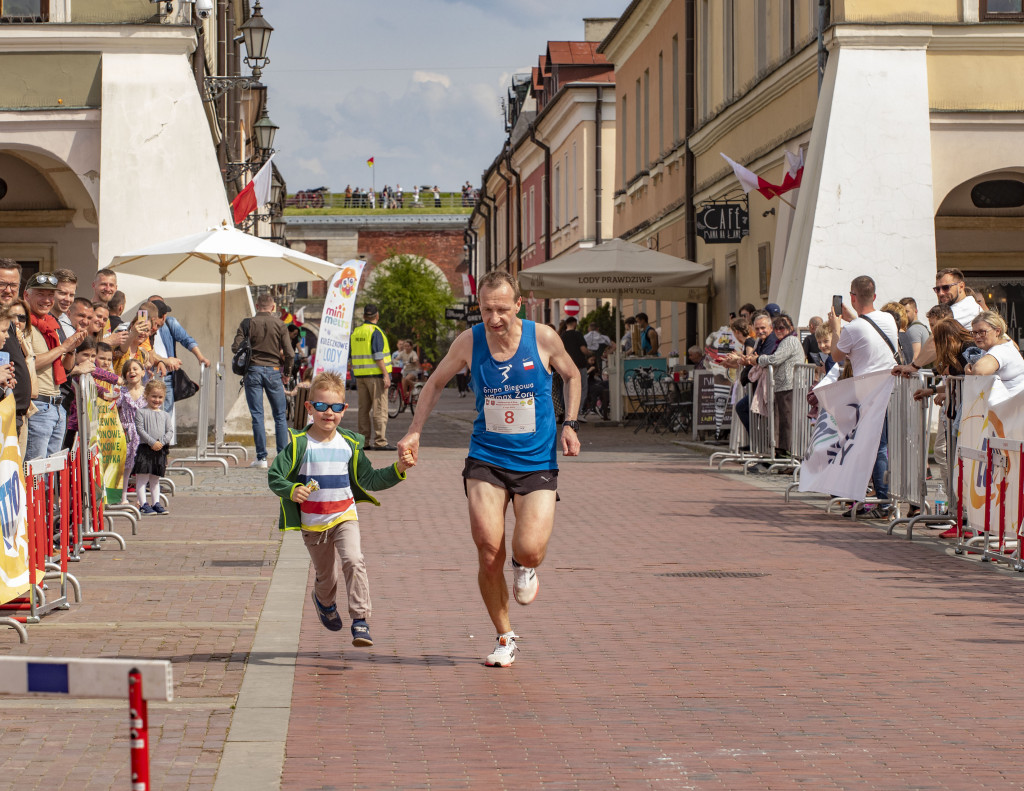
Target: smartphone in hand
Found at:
x=143, y=315
x=5, y=359
x=837, y=304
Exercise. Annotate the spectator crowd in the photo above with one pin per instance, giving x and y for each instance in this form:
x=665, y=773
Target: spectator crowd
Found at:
x=864, y=333
x=55, y=334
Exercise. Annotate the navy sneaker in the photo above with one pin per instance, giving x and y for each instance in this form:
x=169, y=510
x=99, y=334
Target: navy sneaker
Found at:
x=328, y=615
x=146, y=509
x=361, y=633
x=159, y=509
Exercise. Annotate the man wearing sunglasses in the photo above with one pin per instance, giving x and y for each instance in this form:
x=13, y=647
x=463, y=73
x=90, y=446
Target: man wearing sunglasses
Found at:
x=46, y=425
x=950, y=290
x=10, y=282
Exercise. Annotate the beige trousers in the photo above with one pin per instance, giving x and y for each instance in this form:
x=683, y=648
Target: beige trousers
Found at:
x=341, y=541
x=373, y=398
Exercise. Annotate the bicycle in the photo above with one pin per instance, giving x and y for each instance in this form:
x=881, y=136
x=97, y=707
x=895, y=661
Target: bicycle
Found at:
x=399, y=399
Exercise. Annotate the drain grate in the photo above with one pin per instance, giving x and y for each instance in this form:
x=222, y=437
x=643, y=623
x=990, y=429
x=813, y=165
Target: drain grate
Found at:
x=713, y=574
x=238, y=563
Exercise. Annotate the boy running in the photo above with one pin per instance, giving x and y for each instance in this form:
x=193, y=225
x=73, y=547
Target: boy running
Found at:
x=320, y=477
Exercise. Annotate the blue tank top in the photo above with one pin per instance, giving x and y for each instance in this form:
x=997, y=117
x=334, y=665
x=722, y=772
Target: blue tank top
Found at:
x=515, y=424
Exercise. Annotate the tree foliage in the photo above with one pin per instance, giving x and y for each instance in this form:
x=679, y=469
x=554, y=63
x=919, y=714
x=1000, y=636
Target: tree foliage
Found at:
x=605, y=318
x=411, y=297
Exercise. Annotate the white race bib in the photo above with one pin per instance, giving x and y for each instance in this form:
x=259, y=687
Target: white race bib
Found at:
x=510, y=415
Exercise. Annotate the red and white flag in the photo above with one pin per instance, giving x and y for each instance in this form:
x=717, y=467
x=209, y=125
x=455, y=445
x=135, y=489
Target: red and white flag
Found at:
x=255, y=194
x=751, y=181
x=795, y=173
x=300, y=317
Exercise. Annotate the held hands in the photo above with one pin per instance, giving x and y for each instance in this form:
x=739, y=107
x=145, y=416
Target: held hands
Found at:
x=74, y=341
x=408, y=451
x=84, y=368
x=157, y=446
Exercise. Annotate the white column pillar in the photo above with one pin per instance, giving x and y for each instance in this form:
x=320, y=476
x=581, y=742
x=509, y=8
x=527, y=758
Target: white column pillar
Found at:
x=865, y=206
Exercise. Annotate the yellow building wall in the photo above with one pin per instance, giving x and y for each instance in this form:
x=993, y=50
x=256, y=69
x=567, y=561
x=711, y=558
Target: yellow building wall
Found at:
x=50, y=79
x=896, y=10
x=963, y=80
x=85, y=12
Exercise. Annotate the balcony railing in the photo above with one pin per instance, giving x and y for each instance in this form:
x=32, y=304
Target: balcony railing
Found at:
x=359, y=202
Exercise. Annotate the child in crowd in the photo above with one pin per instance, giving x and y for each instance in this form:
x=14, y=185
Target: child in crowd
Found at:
x=154, y=428
x=85, y=363
x=130, y=400
x=320, y=477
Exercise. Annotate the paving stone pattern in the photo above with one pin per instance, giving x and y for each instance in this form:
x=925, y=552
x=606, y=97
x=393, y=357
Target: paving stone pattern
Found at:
x=857, y=661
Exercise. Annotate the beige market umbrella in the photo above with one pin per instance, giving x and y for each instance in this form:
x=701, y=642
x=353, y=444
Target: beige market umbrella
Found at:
x=619, y=269
x=227, y=255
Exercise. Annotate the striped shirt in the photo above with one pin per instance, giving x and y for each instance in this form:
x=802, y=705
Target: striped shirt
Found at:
x=327, y=464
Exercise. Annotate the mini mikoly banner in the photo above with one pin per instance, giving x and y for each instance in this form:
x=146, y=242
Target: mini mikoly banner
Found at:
x=332, y=347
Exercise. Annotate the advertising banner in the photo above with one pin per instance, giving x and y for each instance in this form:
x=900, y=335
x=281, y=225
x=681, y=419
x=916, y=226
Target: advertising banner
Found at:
x=336, y=323
x=14, y=576
x=844, y=444
x=113, y=451
x=989, y=411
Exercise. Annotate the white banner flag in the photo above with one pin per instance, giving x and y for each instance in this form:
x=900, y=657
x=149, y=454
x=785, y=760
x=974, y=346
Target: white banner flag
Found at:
x=336, y=321
x=844, y=444
x=990, y=411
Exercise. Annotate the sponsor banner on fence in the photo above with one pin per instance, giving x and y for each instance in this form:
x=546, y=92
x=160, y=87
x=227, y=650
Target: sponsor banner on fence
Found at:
x=332, y=347
x=113, y=451
x=14, y=576
x=989, y=411
x=844, y=443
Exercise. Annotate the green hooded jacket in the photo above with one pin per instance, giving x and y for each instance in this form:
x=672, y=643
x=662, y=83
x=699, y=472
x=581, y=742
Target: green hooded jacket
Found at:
x=284, y=473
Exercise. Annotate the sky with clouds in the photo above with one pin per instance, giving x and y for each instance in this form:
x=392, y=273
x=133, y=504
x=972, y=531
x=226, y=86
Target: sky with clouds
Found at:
x=415, y=84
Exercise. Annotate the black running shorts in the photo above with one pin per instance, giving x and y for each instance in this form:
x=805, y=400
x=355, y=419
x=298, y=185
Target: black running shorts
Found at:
x=513, y=481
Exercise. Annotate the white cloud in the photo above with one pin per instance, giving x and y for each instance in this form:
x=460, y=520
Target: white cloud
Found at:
x=427, y=76
x=416, y=84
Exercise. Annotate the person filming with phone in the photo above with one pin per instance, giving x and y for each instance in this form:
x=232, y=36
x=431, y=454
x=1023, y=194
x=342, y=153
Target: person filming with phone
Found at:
x=869, y=341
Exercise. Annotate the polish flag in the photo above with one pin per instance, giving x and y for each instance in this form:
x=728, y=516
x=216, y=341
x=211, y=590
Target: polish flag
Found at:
x=255, y=194
x=300, y=317
x=527, y=365
x=795, y=173
x=749, y=180
x=468, y=285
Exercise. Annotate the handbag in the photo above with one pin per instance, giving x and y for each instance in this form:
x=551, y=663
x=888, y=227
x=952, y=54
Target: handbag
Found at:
x=182, y=385
x=241, y=359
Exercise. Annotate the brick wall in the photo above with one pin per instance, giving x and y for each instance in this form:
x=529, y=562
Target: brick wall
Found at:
x=318, y=249
x=443, y=248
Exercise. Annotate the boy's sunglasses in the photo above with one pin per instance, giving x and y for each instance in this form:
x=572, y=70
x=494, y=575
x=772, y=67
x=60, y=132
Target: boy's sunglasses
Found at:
x=323, y=406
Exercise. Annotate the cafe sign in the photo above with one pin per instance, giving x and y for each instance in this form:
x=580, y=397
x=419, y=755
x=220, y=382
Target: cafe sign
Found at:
x=723, y=222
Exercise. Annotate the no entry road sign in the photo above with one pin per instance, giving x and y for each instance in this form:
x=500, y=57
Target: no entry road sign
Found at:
x=571, y=307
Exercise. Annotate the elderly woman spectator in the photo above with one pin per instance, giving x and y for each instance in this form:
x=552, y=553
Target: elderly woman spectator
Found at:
x=1001, y=357
x=787, y=354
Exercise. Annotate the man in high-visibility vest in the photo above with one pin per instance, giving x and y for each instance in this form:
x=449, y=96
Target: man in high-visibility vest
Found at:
x=371, y=366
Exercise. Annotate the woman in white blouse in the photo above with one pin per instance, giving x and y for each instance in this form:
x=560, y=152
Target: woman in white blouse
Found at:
x=1001, y=358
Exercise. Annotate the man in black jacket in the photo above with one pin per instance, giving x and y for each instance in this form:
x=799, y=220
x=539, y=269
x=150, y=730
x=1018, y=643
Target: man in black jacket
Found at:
x=765, y=344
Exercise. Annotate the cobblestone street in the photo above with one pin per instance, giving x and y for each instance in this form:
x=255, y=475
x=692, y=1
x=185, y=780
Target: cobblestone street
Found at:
x=692, y=631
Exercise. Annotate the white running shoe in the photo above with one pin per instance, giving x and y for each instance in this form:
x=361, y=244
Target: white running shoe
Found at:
x=524, y=584
x=504, y=651
x=260, y=464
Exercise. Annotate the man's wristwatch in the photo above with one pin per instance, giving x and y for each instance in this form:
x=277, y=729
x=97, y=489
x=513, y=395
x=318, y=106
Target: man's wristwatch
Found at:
x=573, y=424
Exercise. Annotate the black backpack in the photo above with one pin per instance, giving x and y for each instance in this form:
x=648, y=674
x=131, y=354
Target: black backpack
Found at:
x=243, y=357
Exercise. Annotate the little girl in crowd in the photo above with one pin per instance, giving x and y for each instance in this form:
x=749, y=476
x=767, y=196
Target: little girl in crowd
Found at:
x=130, y=400
x=154, y=428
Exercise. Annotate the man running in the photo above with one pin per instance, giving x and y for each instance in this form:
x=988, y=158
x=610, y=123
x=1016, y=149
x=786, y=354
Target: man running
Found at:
x=512, y=453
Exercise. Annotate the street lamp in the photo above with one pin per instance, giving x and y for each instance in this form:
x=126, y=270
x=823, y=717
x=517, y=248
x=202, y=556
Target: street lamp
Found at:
x=256, y=35
x=265, y=129
x=276, y=189
x=256, y=39
x=277, y=226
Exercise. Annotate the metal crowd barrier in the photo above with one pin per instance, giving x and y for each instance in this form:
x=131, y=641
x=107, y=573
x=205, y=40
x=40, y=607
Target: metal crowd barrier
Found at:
x=805, y=377
x=910, y=434
x=738, y=438
x=203, y=454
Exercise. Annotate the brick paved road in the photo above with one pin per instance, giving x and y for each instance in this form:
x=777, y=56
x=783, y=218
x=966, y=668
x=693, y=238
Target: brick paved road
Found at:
x=856, y=661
